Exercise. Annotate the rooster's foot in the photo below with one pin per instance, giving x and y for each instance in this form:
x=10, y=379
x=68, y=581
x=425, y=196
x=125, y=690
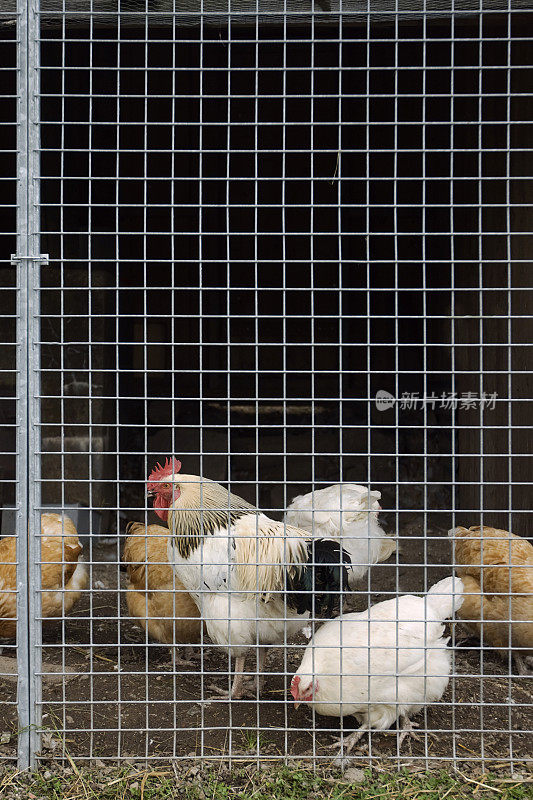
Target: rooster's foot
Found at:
x=244, y=688
x=224, y=694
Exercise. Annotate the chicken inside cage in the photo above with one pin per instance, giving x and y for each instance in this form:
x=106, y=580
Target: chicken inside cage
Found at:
x=64, y=575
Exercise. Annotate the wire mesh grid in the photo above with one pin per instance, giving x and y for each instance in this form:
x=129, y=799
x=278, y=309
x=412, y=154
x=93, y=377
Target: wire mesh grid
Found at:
x=291, y=250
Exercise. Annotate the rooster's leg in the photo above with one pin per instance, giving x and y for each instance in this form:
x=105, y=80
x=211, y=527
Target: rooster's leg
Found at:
x=261, y=658
x=237, y=688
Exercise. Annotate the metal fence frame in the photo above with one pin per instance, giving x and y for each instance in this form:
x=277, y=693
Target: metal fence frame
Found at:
x=27, y=261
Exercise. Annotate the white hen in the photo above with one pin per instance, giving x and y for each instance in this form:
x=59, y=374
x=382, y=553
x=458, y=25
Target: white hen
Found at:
x=348, y=512
x=383, y=664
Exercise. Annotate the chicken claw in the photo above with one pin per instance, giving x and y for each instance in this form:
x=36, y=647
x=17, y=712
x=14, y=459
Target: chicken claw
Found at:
x=347, y=742
x=524, y=664
x=407, y=726
x=243, y=689
x=190, y=658
x=238, y=688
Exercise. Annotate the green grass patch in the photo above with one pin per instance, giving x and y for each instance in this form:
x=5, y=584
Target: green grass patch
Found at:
x=189, y=782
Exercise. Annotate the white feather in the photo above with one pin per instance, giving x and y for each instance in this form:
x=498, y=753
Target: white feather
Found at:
x=349, y=513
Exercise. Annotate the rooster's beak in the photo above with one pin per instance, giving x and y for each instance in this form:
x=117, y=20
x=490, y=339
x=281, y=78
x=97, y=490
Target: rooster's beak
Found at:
x=297, y=704
x=149, y=495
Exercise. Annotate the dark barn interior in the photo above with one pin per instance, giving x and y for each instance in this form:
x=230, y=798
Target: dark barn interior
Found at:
x=331, y=213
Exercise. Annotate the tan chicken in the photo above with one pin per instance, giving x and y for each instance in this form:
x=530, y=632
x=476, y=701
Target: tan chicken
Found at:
x=154, y=596
x=497, y=572
x=63, y=575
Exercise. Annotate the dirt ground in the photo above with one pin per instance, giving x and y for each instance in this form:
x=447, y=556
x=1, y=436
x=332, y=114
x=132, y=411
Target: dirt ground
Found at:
x=136, y=706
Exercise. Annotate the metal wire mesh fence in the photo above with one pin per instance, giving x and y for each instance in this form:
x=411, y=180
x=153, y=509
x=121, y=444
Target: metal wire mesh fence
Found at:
x=289, y=247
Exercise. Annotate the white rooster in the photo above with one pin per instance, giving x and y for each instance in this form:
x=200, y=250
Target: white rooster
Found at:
x=347, y=512
x=254, y=580
x=382, y=665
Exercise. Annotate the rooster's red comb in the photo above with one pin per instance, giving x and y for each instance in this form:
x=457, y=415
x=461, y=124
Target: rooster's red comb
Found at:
x=159, y=473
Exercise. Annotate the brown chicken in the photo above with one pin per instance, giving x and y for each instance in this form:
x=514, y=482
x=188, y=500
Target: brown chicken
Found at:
x=154, y=595
x=63, y=576
x=497, y=572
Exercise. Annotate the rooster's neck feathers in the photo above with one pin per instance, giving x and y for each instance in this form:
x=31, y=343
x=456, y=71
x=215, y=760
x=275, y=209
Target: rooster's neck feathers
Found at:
x=190, y=526
x=202, y=508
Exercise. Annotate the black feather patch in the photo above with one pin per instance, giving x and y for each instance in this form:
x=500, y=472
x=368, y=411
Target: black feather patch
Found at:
x=319, y=584
x=193, y=524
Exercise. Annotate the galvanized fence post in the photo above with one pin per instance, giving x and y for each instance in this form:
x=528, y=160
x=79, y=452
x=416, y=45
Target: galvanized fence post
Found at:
x=27, y=260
